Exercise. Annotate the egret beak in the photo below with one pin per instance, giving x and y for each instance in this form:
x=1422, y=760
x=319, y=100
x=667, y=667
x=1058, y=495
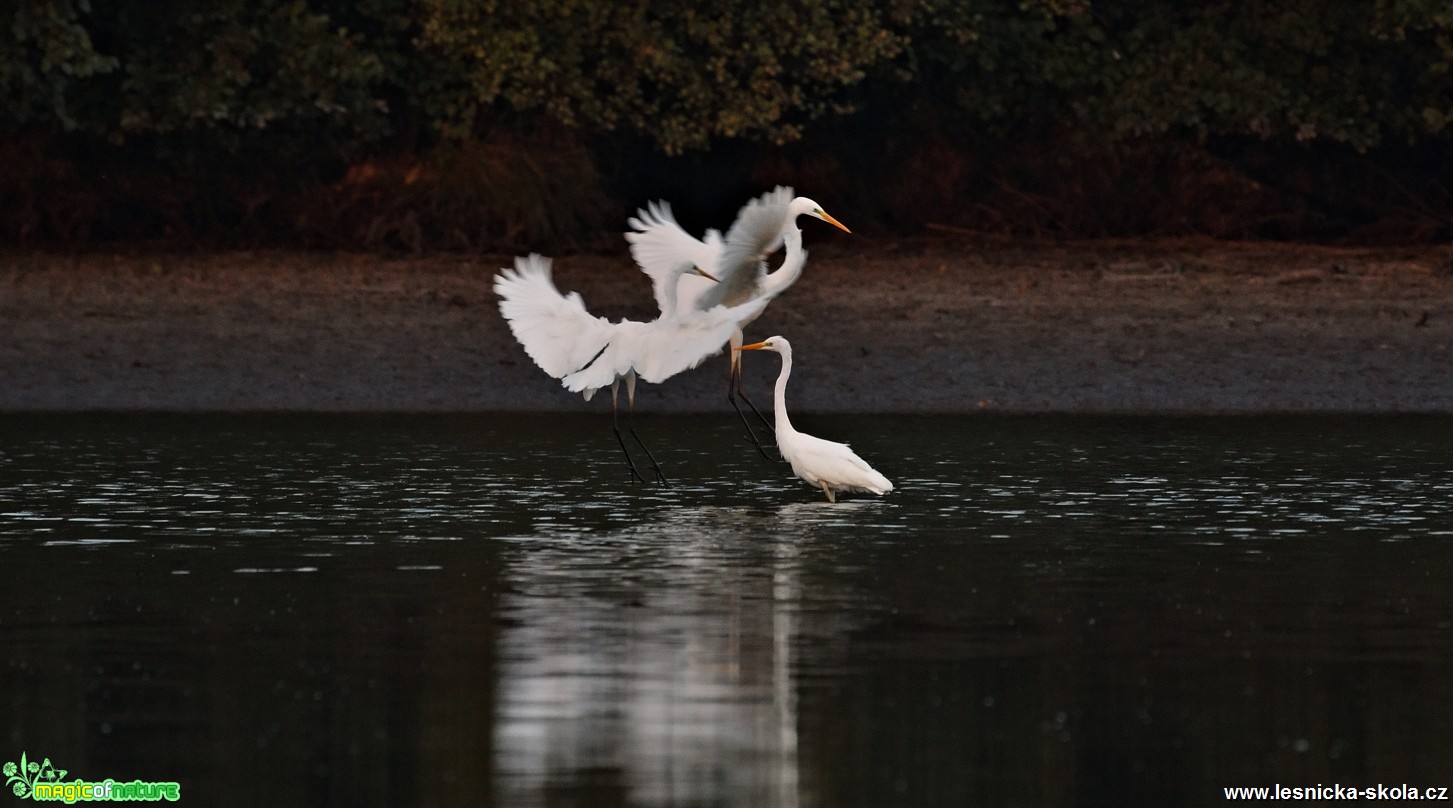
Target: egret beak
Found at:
x=821, y=214
x=703, y=273
x=756, y=346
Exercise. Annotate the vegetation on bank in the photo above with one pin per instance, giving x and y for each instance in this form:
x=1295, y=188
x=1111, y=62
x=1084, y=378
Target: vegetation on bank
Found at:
x=480, y=124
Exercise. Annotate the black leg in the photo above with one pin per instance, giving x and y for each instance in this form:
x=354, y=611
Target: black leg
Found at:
x=733, y=390
x=629, y=462
x=631, y=425
x=615, y=427
x=742, y=394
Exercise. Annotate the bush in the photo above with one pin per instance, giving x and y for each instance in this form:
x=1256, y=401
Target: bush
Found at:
x=48, y=52
x=503, y=193
x=673, y=72
x=235, y=117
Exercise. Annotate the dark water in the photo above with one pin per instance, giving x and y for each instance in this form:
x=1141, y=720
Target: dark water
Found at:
x=396, y=611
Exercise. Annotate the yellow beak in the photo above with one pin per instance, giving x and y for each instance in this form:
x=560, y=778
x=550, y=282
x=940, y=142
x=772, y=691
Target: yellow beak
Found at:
x=822, y=214
x=756, y=346
x=703, y=273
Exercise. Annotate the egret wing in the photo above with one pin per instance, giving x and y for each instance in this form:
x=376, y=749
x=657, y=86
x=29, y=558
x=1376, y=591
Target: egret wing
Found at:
x=837, y=465
x=660, y=247
x=614, y=360
x=681, y=343
x=660, y=349
x=756, y=233
x=556, y=330
x=690, y=289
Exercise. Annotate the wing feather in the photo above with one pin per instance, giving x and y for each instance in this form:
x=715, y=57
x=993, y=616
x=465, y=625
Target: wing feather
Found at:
x=680, y=344
x=614, y=361
x=556, y=330
x=661, y=246
x=660, y=349
x=814, y=459
x=756, y=232
x=587, y=352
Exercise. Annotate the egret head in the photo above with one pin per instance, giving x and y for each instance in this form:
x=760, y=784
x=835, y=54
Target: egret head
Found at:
x=778, y=344
x=804, y=206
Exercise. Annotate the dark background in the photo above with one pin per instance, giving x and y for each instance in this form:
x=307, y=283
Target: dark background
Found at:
x=443, y=124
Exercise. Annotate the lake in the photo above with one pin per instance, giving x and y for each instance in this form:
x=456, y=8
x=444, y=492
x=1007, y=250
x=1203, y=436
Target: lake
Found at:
x=486, y=610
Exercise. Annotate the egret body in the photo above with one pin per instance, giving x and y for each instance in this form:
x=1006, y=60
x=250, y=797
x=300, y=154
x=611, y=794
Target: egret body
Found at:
x=830, y=466
x=660, y=246
x=586, y=352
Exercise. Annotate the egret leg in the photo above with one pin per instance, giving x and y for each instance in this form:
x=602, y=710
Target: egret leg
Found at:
x=631, y=425
x=734, y=375
x=826, y=490
x=615, y=427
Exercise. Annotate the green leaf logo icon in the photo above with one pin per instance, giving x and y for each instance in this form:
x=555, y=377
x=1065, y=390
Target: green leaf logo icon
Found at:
x=21, y=777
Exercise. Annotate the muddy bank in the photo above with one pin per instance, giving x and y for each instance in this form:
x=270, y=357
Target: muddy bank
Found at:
x=929, y=326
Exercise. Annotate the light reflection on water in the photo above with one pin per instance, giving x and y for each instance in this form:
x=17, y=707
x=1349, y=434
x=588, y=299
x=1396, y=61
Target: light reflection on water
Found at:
x=674, y=682
x=484, y=609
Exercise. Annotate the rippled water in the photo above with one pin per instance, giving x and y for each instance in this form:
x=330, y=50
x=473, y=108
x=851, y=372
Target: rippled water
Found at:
x=485, y=610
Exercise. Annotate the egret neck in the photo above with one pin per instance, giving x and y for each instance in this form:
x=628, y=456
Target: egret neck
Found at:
x=776, y=282
x=784, y=424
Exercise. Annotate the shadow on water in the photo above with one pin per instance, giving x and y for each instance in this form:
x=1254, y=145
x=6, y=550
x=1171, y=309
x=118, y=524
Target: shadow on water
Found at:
x=485, y=610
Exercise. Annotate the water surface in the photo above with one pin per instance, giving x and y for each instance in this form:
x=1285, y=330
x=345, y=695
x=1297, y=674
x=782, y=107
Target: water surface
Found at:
x=485, y=610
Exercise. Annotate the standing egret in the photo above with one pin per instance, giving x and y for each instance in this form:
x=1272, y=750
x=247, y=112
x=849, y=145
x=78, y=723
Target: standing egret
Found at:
x=660, y=246
x=587, y=352
x=830, y=466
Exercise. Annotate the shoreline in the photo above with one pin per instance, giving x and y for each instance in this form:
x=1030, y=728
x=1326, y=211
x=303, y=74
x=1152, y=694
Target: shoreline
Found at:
x=931, y=326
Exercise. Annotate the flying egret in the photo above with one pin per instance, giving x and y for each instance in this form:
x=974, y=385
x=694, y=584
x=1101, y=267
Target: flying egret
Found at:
x=660, y=246
x=830, y=466
x=587, y=353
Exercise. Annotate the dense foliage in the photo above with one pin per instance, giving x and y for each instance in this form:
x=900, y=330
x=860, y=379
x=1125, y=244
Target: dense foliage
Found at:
x=447, y=122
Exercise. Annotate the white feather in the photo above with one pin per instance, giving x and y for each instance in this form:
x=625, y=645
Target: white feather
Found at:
x=817, y=461
x=756, y=233
x=763, y=225
x=555, y=330
x=661, y=246
x=587, y=352
x=662, y=348
x=821, y=463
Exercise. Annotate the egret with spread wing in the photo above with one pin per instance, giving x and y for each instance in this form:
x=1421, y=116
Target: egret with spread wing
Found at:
x=661, y=247
x=586, y=352
x=830, y=466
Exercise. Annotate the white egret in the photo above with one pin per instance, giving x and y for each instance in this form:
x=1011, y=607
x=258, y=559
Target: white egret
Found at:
x=830, y=466
x=660, y=246
x=586, y=352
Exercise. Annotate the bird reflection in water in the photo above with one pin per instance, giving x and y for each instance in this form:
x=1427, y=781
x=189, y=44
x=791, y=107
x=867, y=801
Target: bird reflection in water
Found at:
x=653, y=663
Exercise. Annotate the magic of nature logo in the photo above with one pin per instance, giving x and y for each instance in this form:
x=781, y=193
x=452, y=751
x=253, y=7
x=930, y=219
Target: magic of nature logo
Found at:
x=44, y=782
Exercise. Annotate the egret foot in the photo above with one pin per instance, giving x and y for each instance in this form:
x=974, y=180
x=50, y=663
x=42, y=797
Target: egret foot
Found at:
x=656, y=467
